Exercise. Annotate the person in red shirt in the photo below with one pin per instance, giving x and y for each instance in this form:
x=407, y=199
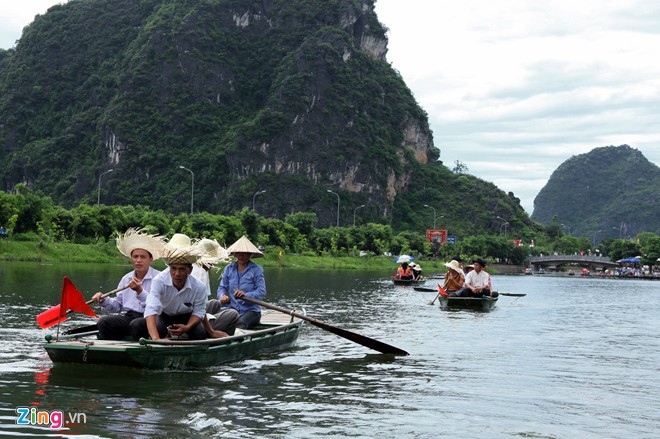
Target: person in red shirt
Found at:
x=404, y=272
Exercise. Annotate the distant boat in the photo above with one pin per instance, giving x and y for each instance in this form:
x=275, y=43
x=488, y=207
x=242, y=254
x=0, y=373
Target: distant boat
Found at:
x=408, y=281
x=485, y=303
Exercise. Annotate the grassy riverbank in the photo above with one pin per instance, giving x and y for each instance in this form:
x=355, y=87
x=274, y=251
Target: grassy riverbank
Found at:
x=107, y=252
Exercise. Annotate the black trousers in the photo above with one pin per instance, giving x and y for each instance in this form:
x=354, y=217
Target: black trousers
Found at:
x=117, y=327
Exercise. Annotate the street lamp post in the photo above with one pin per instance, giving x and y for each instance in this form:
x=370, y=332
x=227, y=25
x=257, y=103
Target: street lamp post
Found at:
x=431, y=207
x=192, y=187
x=596, y=233
x=504, y=224
x=255, y=196
x=354, y=211
x=337, y=205
x=98, y=192
x=568, y=227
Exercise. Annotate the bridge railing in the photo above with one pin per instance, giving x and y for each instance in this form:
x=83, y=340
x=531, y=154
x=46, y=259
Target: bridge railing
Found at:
x=570, y=258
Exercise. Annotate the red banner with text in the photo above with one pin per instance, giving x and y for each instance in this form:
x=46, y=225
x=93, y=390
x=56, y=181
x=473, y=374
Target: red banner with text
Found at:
x=437, y=236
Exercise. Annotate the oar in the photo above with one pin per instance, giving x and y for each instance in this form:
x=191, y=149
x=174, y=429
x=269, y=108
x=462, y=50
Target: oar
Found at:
x=357, y=338
x=436, y=298
x=428, y=290
x=52, y=317
x=440, y=292
x=431, y=290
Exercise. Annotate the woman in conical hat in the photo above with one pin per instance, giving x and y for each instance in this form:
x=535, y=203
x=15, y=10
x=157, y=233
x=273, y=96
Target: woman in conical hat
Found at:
x=243, y=278
x=244, y=245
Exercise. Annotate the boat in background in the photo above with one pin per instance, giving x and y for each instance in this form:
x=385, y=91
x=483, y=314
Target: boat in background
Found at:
x=485, y=303
x=408, y=281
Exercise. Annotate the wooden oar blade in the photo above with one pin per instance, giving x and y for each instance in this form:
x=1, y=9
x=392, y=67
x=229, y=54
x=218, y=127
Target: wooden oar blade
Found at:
x=425, y=290
x=512, y=294
x=357, y=338
x=360, y=339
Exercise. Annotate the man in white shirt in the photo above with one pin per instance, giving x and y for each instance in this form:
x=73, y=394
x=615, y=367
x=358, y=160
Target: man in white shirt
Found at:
x=141, y=248
x=176, y=304
x=477, y=281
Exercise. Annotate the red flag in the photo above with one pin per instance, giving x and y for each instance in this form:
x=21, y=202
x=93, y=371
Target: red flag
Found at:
x=73, y=299
x=443, y=293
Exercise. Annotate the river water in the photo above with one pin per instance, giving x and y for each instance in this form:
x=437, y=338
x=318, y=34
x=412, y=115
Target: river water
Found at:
x=574, y=358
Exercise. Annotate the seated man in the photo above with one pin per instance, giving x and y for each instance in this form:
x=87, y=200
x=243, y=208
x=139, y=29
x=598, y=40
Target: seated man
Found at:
x=141, y=248
x=477, y=281
x=416, y=270
x=176, y=303
x=220, y=322
x=217, y=323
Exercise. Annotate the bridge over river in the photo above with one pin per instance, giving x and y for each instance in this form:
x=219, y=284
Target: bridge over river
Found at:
x=555, y=262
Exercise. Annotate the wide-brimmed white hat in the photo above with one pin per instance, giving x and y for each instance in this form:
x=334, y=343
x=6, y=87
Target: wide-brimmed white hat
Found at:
x=180, y=241
x=453, y=264
x=244, y=245
x=180, y=249
x=138, y=238
x=180, y=256
x=211, y=252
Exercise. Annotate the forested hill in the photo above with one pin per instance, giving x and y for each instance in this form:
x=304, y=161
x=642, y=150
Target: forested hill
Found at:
x=294, y=97
x=613, y=191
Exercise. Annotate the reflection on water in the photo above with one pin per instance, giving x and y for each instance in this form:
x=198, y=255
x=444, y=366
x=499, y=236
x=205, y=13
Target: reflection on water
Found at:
x=574, y=358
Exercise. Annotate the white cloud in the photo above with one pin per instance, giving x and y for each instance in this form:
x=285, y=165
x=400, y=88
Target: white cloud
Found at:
x=15, y=15
x=513, y=90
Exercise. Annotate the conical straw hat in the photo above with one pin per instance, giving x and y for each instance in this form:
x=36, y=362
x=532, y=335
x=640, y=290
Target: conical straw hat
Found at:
x=244, y=245
x=138, y=238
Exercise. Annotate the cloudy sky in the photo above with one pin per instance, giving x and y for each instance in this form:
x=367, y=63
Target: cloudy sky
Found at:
x=512, y=88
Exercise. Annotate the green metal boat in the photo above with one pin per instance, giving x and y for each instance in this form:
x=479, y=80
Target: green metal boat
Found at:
x=275, y=332
x=485, y=303
x=408, y=281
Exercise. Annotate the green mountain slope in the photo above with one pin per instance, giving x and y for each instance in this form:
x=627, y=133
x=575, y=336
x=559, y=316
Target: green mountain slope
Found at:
x=613, y=189
x=293, y=97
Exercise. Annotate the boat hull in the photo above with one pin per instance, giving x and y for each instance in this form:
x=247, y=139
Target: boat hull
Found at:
x=184, y=355
x=408, y=281
x=476, y=303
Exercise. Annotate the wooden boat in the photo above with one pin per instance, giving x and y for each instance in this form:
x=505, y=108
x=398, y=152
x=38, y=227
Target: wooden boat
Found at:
x=408, y=281
x=276, y=331
x=485, y=303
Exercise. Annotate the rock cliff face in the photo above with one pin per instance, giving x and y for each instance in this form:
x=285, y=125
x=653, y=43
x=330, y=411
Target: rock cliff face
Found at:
x=295, y=95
